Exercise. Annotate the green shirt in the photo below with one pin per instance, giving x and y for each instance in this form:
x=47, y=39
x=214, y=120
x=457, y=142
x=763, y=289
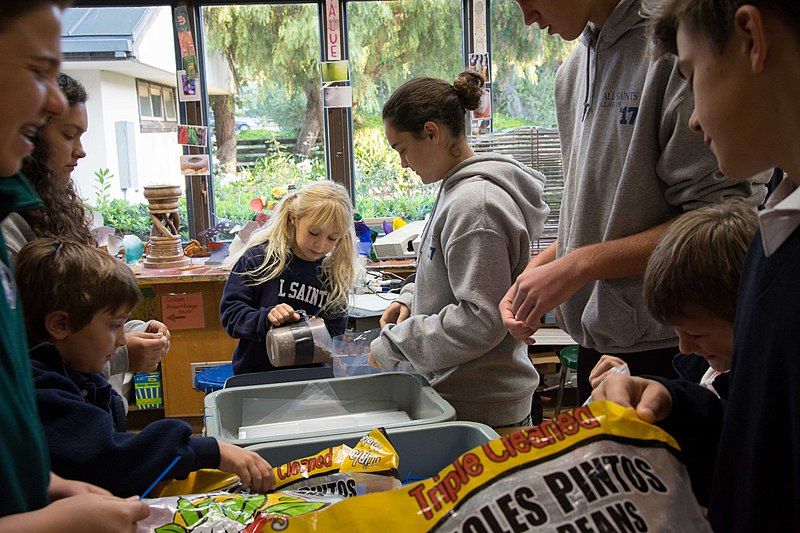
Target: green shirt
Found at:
x=24, y=457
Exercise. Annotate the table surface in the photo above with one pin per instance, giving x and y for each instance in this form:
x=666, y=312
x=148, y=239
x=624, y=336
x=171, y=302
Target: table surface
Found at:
x=192, y=273
x=367, y=305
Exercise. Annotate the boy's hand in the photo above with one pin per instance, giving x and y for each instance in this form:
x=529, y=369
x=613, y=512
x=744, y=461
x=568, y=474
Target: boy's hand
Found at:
x=145, y=350
x=96, y=513
x=64, y=488
x=255, y=473
x=650, y=398
x=518, y=329
x=282, y=314
x=395, y=313
x=601, y=369
x=538, y=290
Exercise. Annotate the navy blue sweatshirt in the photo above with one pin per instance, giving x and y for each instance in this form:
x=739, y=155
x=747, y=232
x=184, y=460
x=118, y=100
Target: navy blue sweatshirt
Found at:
x=84, y=422
x=244, y=306
x=754, y=439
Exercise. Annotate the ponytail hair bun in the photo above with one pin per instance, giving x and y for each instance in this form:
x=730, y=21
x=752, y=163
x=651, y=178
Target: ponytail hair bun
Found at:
x=469, y=88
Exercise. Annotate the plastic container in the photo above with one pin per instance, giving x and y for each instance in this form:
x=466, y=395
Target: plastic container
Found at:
x=301, y=343
x=362, y=396
x=423, y=450
x=351, y=355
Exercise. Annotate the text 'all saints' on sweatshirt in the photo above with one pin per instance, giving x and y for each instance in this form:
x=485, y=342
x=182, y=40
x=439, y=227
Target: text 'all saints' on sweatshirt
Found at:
x=475, y=244
x=245, y=305
x=630, y=163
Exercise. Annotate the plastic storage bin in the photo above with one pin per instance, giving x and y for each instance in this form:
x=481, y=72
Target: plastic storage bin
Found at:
x=423, y=450
x=362, y=394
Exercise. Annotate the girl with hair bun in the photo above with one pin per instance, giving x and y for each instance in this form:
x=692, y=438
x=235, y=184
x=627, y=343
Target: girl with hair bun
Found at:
x=489, y=208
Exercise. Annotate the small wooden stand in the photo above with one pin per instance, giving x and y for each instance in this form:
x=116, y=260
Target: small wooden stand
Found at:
x=165, y=240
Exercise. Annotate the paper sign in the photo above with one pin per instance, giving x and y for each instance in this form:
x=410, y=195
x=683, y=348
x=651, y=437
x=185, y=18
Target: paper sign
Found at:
x=194, y=165
x=188, y=88
x=480, y=63
x=479, y=14
x=183, y=311
x=334, y=37
x=190, y=135
x=337, y=97
x=185, y=41
x=484, y=107
x=335, y=71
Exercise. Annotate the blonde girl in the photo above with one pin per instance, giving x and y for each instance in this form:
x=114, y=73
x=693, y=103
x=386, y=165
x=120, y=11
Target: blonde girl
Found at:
x=302, y=259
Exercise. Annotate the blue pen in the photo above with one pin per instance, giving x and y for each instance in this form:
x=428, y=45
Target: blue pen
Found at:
x=160, y=477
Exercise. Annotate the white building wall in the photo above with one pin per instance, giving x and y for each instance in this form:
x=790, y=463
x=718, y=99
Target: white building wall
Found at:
x=157, y=47
x=112, y=98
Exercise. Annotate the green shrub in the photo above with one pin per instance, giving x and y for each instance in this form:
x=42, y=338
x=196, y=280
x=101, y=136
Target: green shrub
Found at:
x=501, y=122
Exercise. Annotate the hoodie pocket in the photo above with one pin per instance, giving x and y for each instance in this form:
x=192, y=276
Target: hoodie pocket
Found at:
x=609, y=318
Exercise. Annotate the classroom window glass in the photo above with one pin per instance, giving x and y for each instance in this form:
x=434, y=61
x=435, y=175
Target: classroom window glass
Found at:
x=265, y=103
x=389, y=43
x=123, y=56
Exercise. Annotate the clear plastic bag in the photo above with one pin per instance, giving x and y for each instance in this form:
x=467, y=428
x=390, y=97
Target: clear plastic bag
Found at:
x=351, y=355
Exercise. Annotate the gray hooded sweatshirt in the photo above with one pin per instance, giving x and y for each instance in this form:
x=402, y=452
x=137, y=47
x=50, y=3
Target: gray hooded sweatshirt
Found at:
x=630, y=163
x=477, y=241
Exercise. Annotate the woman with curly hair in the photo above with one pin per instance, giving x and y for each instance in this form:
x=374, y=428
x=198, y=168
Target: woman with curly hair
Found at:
x=57, y=150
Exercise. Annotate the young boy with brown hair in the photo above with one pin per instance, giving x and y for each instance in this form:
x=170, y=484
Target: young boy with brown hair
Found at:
x=742, y=60
x=76, y=300
x=691, y=284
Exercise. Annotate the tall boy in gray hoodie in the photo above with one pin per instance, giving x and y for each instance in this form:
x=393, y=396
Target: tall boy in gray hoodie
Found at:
x=631, y=166
x=477, y=240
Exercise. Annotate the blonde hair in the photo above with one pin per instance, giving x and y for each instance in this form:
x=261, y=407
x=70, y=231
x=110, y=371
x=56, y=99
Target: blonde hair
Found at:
x=327, y=205
x=698, y=262
x=61, y=275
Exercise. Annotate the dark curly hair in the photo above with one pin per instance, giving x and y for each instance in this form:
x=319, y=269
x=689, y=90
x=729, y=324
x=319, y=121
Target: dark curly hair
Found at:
x=63, y=214
x=422, y=100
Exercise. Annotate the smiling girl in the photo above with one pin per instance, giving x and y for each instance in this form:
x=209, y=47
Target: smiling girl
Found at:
x=303, y=259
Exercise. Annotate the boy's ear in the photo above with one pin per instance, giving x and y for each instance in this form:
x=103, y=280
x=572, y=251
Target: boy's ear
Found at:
x=56, y=324
x=749, y=24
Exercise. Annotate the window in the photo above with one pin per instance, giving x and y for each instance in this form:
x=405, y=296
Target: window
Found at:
x=384, y=53
x=524, y=65
x=169, y=105
x=124, y=57
x=266, y=120
x=156, y=107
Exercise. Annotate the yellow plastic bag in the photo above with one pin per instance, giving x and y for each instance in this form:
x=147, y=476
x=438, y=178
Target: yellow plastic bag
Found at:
x=199, y=482
x=373, y=454
x=594, y=468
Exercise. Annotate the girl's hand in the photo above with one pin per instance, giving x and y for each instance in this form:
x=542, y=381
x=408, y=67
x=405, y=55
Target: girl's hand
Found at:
x=282, y=314
x=395, y=314
x=373, y=362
